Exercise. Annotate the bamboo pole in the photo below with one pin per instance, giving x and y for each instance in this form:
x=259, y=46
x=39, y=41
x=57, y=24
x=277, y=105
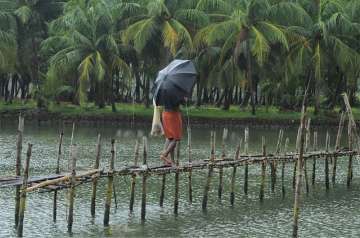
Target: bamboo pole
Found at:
x=273, y=164
x=163, y=182
x=246, y=172
x=162, y=190
x=177, y=175
x=62, y=179
x=19, y=141
x=283, y=168
x=327, y=161
x=315, y=145
x=210, y=171
x=221, y=171
x=22, y=204
x=307, y=145
x=349, y=170
x=57, y=172
x=263, y=171
x=299, y=173
x=133, y=177
x=337, y=145
x=72, y=188
x=95, y=180
x=233, y=176
x=110, y=187
x=190, y=161
x=298, y=140
x=144, y=178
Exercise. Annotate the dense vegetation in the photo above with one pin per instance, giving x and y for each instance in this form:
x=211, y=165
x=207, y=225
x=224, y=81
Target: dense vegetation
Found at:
x=247, y=52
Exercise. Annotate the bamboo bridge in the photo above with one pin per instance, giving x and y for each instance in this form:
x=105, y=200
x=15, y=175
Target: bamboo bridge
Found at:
x=24, y=183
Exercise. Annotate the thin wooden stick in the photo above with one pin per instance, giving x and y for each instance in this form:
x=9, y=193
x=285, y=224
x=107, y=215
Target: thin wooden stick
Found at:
x=314, y=159
x=23, y=193
x=263, y=171
x=307, y=145
x=72, y=188
x=177, y=175
x=233, y=177
x=190, y=161
x=210, y=172
x=299, y=173
x=133, y=177
x=19, y=141
x=223, y=156
x=283, y=169
x=110, y=187
x=349, y=170
x=337, y=145
x=57, y=172
x=144, y=178
x=95, y=180
x=246, y=172
x=327, y=161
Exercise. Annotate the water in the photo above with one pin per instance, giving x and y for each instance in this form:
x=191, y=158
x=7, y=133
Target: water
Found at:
x=323, y=214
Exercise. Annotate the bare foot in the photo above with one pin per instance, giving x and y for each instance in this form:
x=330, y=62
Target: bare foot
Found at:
x=167, y=162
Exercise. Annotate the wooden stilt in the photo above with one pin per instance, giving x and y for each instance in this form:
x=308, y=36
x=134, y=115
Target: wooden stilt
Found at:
x=133, y=177
x=210, y=172
x=273, y=164
x=294, y=174
x=337, y=146
x=57, y=172
x=19, y=141
x=350, y=141
x=190, y=161
x=233, y=176
x=299, y=173
x=327, y=161
x=283, y=169
x=314, y=160
x=223, y=156
x=144, y=178
x=263, y=171
x=307, y=145
x=246, y=172
x=95, y=180
x=177, y=175
x=109, y=191
x=72, y=188
x=22, y=205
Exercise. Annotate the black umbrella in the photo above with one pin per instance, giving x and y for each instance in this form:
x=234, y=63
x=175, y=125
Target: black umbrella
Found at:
x=174, y=82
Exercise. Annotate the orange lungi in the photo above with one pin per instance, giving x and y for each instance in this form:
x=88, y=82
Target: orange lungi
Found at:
x=172, y=124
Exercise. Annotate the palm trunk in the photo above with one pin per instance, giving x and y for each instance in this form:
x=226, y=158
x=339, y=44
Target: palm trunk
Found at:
x=250, y=80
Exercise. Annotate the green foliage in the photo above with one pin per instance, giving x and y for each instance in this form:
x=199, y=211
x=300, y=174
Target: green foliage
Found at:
x=107, y=51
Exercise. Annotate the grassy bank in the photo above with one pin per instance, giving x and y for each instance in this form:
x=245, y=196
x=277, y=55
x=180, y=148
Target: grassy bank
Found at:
x=138, y=110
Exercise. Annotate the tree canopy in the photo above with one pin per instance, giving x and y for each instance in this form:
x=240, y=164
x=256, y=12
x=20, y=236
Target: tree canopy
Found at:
x=247, y=52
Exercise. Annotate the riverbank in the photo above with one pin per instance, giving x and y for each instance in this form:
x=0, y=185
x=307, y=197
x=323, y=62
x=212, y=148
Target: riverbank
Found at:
x=138, y=114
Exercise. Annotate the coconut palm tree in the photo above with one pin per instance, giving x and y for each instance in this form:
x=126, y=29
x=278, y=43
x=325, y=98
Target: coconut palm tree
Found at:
x=84, y=46
x=323, y=42
x=245, y=34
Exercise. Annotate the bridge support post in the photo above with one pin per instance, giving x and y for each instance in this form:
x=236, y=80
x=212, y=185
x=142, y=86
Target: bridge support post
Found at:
x=110, y=185
x=22, y=203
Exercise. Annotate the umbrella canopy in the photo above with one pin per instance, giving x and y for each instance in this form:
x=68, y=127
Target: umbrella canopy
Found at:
x=174, y=82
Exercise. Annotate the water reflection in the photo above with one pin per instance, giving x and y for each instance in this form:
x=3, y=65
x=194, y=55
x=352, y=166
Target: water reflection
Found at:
x=323, y=214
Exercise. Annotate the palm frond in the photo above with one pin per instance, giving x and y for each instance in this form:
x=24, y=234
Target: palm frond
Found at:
x=260, y=47
x=274, y=33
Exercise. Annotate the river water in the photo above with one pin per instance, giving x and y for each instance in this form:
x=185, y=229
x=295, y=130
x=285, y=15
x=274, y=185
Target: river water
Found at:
x=323, y=214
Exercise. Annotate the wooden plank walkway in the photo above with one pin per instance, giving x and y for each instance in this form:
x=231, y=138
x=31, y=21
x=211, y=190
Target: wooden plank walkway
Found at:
x=61, y=181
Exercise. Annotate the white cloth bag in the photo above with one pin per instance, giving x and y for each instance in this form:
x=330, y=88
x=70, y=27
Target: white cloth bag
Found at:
x=157, y=128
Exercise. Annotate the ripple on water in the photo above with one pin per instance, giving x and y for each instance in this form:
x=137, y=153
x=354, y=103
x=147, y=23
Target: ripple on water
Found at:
x=323, y=214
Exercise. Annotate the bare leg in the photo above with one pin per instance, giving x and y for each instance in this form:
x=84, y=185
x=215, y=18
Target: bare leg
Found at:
x=170, y=148
x=167, y=141
x=165, y=153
